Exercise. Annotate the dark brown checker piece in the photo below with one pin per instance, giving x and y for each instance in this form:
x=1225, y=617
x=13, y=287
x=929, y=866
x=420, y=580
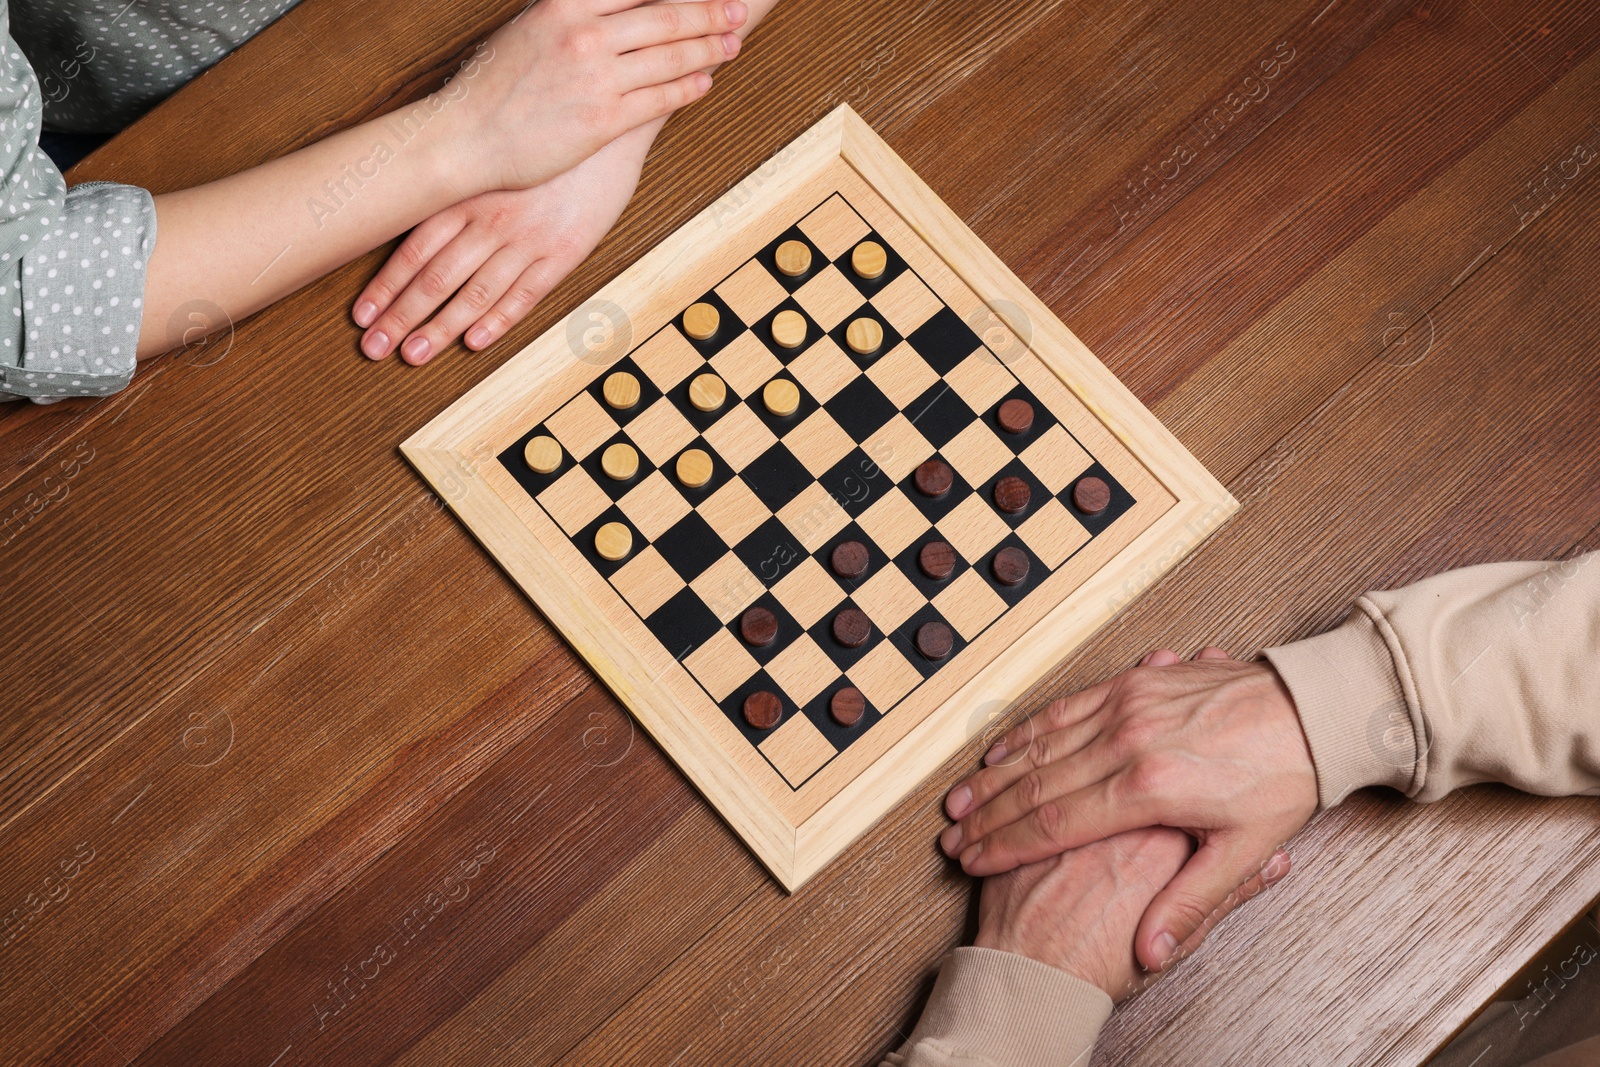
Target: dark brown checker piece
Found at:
x=1016, y=416
x=1011, y=494
x=847, y=706
x=937, y=559
x=763, y=709
x=759, y=626
x=935, y=640
x=851, y=627
x=1091, y=495
x=1011, y=565
x=850, y=559
x=934, y=478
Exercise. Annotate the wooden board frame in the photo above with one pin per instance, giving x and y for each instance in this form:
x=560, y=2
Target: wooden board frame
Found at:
x=457, y=453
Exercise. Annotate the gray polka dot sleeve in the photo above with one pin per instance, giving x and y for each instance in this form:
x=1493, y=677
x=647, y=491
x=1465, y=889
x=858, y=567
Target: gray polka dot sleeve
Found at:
x=71, y=261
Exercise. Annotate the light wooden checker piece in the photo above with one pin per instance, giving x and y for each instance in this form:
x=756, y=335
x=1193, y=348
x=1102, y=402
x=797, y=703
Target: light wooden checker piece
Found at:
x=743, y=506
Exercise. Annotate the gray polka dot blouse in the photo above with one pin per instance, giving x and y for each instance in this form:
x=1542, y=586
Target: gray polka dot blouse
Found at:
x=72, y=261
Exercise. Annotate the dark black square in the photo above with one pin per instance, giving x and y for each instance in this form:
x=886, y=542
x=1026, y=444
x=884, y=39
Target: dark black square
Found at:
x=789, y=630
x=840, y=737
x=516, y=465
x=1037, y=493
x=905, y=640
x=613, y=488
x=861, y=409
x=939, y=414
x=762, y=328
x=891, y=336
x=691, y=546
x=733, y=706
x=842, y=656
x=876, y=557
x=936, y=507
x=894, y=267
x=768, y=258
x=1014, y=594
x=584, y=540
x=782, y=424
x=700, y=420
x=856, y=482
x=1042, y=420
x=648, y=393
x=721, y=473
x=683, y=623
x=907, y=562
x=944, y=341
x=776, y=477
x=1121, y=501
x=729, y=326
x=770, y=552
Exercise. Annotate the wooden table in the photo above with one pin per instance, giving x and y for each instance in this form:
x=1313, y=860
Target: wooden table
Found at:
x=334, y=793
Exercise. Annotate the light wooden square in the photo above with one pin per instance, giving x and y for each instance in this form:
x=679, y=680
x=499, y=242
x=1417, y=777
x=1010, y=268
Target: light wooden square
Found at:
x=654, y=505
x=893, y=522
x=973, y=528
x=1056, y=459
x=981, y=380
x=582, y=425
x=802, y=670
x=808, y=592
x=834, y=227
x=829, y=297
x=667, y=358
x=889, y=598
x=824, y=369
x=814, y=516
x=977, y=453
x=819, y=442
x=740, y=437
x=902, y=375
x=897, y=448
x=647, y=581
x=746, y=364
x=884, y=676
x=751, y=292
x=722, y=664
x=906, y=303
x=661, y=431
x=970, y=603
x=798, y=749
x=727, y=587
x=574, y=500
x=734, y=511
x=1053, y=533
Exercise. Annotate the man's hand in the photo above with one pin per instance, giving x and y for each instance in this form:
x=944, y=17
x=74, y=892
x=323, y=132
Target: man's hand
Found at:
x=1078, y=910
x=1212, y=747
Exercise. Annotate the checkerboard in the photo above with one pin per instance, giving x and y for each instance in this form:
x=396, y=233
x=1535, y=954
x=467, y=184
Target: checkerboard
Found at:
x=786, y=490
x=661, y=624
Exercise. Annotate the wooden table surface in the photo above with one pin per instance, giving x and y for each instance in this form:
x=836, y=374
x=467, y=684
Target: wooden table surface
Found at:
x=334, y=793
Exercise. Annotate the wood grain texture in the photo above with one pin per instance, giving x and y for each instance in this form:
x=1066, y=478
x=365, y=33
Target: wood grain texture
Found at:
x=238, y=544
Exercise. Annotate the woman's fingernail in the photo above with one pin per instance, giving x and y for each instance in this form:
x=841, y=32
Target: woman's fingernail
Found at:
x=995, y=754
x=950, y=840
x=735, y=12
x=416, y=350
x=730, y=43
x=478, y=337
x=375, y=344
x=1166, y=947
x=366, y=311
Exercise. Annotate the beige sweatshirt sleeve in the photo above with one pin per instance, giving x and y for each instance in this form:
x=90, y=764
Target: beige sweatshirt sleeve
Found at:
x=1486, y=674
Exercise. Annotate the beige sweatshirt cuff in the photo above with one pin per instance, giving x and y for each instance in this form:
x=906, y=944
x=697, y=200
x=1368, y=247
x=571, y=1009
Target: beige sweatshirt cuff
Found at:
x=998, y=1009
x=1360, y=727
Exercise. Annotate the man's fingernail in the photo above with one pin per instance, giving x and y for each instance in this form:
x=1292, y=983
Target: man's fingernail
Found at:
x=1166, y=947
x=950, y=840
x=970, y=856
x=995, y=754
x=416, y=349
x=960, y=801
x=375, y=344
x=366, y=311
x=478, y=337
